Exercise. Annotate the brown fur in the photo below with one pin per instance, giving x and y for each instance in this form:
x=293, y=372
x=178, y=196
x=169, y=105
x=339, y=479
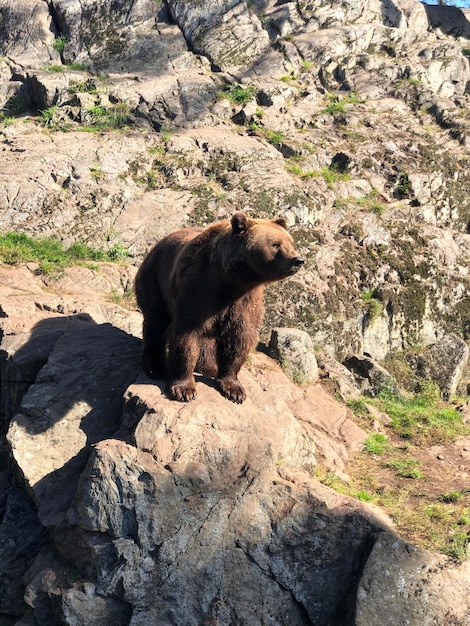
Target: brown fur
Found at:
x=201, y=295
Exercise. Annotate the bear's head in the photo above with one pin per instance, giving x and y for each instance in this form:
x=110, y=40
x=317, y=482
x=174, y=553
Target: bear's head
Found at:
x=269, y=248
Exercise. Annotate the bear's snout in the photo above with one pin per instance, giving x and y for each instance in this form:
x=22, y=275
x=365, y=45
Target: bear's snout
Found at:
x=296, y=263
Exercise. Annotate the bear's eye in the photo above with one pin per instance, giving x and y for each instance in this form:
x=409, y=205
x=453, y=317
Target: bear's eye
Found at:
x=276, y=246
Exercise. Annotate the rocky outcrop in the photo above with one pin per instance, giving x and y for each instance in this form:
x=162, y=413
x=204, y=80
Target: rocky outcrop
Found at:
x=347, y=119
x=123, y=121
x=293, y=348
x=152, y=511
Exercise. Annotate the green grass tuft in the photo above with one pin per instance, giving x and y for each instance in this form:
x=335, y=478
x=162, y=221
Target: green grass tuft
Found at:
x=50, y=252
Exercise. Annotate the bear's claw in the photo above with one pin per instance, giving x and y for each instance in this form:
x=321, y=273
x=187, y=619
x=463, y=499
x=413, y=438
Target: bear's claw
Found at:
x=182, y=391
x=233, y=390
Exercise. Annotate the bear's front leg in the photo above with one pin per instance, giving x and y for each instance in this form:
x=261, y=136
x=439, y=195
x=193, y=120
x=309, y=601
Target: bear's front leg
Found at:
x=232, y=354
x=183, y=351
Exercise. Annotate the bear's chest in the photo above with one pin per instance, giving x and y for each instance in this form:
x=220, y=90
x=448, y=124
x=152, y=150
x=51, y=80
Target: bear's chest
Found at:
x=235, y=313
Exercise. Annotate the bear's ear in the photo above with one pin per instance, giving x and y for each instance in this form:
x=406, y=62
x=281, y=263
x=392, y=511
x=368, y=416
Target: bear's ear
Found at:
x=240, y=223
x=281, y=221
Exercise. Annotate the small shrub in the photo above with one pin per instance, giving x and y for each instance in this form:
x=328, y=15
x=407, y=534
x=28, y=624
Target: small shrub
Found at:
x=403, y=188
x=377, y=209
x=372, y=305
x=60, y=43
x=95, y=172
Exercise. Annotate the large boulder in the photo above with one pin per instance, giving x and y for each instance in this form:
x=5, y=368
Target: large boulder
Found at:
x=166, y=512
x=294, y=350
x=443, y=363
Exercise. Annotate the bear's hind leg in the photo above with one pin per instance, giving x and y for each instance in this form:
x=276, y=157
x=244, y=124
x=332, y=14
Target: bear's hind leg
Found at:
x=207, y=360
x=153, y=348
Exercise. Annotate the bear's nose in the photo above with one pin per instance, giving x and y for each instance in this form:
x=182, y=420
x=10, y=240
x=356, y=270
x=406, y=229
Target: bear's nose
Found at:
x=298, y=261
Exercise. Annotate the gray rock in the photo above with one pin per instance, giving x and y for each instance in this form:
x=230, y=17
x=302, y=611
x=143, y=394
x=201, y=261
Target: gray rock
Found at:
x=75, y=402
x=294, y=350
x=82, y=606
x=371, y=377
x=28, y=33
x=444, y=363
x=411, y=584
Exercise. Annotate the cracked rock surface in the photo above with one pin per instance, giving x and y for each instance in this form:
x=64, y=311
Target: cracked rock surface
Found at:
x=124, y=507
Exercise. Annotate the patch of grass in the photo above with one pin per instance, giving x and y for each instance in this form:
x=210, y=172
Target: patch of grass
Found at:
x=47, y=117
x=377, y=443
x=422, y=418
x=377, y=209
x=403, y=478
x=450, y=496
x=78, y=67
x=295, y=169
x=364, y=496
x=359, y=408
x=96, y=173
x=406, y=468
x=372, y=305
x=332, y=175
x=107, y=118
x=54, y=68
x=238, y=94
x=337, y=104
x=6, y=121
x=82, y=86
x=50, y=253
x=273, y=136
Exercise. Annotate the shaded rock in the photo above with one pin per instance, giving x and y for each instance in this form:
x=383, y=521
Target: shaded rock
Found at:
x=444, y=363
x=450, y=20
x=82, y=606
x=250, y=543
x=75, y=402
x=21, y=538
x=371, y=377
x=294, y=350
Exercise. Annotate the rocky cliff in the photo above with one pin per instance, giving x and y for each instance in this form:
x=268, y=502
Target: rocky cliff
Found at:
x=122, y=121
x=350, y=119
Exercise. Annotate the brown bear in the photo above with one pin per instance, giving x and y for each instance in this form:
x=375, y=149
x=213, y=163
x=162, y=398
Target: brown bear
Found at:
x=201, y=294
